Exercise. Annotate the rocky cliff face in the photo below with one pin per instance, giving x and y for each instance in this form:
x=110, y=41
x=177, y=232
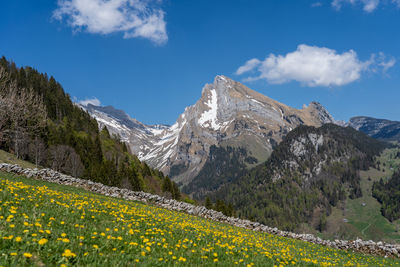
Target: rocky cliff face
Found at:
x=227, y=114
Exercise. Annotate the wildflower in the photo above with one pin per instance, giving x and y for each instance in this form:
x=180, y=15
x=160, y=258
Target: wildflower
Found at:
x=43, y=241
x=27, y=255
x=68, y=253
x=18, y=239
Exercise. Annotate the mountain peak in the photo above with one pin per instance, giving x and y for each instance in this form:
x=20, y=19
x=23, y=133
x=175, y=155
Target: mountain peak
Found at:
x=227, y=114
x=222, y=78
x=320, y=112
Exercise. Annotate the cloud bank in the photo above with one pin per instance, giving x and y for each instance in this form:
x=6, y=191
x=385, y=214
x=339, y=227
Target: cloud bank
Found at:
x=313, y=66
x=134, y=18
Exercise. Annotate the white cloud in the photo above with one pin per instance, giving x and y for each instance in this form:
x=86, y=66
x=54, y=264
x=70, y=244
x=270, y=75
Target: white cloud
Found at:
x=318, y=4
x=134, y=18
x=368, y=5
x=313, y=66
x=249, y=65
x=94, y=101
x=384, y=64
x=387, y=65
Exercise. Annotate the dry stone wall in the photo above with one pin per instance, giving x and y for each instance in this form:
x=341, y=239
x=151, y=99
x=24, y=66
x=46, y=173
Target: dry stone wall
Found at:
x=369, y=247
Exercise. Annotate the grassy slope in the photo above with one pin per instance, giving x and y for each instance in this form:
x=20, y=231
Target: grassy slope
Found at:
x=366, y=221
x=252, y=145
x=12, y=159
x=49, y=224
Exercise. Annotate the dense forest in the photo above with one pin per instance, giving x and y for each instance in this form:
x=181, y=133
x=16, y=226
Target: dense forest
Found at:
x=40, y=123
x=303, y=180
x=388, y=194
x=224, y=165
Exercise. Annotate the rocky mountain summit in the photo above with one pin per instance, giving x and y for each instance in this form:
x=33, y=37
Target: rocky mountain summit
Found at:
x=227, y=114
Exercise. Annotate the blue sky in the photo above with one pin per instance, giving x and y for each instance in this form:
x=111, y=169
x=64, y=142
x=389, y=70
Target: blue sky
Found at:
x=151, y=58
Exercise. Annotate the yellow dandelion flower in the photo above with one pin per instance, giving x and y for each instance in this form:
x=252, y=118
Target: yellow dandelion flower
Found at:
x=43, y=241
x=27, y=255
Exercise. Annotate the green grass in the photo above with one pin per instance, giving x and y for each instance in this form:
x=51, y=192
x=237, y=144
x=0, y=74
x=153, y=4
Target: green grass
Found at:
x=49, y=224
x=6, y=157
x=365, y=220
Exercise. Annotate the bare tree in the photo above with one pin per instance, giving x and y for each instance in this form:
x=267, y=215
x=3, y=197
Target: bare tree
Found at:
x=4, y=103
x=23, y=113
x=64, y=158
x=37, y=151
x=74, y=164
x=58, y=156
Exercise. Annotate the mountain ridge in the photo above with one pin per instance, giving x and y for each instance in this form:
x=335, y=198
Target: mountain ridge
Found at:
x=227, y=113
x=377, y=128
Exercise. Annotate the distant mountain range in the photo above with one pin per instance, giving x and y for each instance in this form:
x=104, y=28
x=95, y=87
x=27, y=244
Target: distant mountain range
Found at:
x=228, y=114
x=377, y=128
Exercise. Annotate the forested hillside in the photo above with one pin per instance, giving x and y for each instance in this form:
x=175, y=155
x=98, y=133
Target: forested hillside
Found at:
x=308, y=173
x=224, y=165
x=388, y=194
x=40, y=123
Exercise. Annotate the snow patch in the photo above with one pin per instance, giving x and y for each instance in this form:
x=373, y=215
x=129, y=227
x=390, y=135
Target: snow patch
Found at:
x=256, y=101
x=222, y=78
x=209, y=117
x=155, y=131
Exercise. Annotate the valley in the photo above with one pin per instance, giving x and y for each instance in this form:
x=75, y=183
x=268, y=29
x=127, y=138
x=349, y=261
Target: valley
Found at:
x=362, y=217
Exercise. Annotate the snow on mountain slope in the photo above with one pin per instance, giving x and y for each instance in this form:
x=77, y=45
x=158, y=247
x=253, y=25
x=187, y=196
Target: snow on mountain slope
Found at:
x=227, y=114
